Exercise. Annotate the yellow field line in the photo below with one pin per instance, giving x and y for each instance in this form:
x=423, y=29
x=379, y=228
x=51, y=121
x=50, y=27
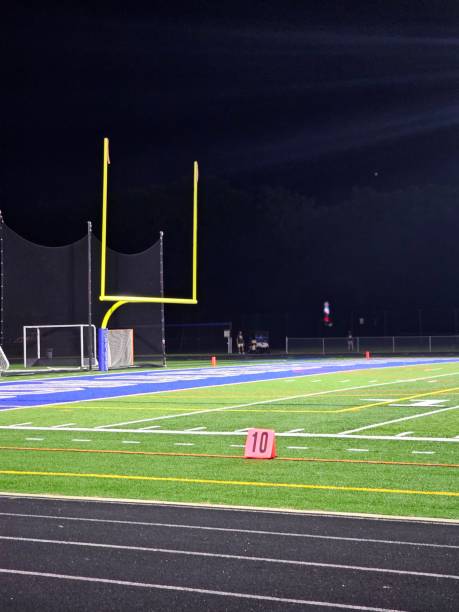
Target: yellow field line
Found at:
x=240, y=483
x=399, y=399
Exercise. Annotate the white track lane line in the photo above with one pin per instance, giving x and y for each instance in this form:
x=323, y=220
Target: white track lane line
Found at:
x=235, y=530
x=166, y=587
x=195, y=553
x=407, y=418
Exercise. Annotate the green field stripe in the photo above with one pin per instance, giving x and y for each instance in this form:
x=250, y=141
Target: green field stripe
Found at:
x=237, y=483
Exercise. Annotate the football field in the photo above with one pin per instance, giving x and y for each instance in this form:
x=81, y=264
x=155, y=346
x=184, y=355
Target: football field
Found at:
x=376, y=436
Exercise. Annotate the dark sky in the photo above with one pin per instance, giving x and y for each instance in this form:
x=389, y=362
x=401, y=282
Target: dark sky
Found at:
x=316, y=97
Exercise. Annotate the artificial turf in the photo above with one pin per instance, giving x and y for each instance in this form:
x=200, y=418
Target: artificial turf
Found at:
x=368, y=475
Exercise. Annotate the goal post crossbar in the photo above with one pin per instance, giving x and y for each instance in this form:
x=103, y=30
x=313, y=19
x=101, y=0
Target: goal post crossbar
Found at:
x=37, y=328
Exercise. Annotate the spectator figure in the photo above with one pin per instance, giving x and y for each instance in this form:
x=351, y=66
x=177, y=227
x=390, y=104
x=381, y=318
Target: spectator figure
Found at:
x=240, y=343
x=350, y=342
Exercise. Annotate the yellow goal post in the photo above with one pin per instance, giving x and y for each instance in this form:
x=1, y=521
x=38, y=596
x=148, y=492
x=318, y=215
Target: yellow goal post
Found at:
x=120, y=300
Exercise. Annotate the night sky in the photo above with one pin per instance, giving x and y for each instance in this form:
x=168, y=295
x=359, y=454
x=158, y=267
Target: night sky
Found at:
x=327, y=140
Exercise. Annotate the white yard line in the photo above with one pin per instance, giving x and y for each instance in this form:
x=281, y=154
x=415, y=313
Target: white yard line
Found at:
x=423, y=452
x=147, y=428
x=183, y=444
x=35, y=439
x=63, y=425
x=233, y=530
x=295, y=430
x=196, y=429
x=298, y=447
x=403, y=433
x=167, y=587
x=258, y=403
x=407, y=418
x=20, y=424
x=357, y=450
x=193, y=553
x=81, y=440
x=130, y=442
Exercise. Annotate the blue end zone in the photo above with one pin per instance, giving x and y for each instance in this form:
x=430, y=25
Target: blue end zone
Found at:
x=50, y=391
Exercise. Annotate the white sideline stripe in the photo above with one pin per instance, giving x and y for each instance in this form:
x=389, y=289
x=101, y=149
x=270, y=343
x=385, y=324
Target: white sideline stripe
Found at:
x=239, y=432
x=63, y=425
x=81, y=440
x=167, y=587
x=35, y=439
x=403, y=433
x=267, y=401
x=130, y=442
x=423, y=452
x=358, y=450
x=183, y=444
x=229, y=530
x=196, y=429
x=194, y=553
x=147, y=428
x=407, y=418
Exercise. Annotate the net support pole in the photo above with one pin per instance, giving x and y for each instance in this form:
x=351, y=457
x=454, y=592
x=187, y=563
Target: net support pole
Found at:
x=161, y=289
x=90, y=338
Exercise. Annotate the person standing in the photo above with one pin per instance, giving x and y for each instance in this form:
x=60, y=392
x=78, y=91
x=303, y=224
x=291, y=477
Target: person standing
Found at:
x=350, y=342
x=240, y=343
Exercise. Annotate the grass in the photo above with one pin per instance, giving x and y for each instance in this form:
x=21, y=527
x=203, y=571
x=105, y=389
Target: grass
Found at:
x=396, y=476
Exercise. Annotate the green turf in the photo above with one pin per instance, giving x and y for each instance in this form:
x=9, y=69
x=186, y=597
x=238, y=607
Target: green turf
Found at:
x=322, y=404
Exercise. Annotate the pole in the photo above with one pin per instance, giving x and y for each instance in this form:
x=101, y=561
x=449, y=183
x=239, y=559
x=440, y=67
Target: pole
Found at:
x=2, y=283
x=161, y=288
x=90, y=337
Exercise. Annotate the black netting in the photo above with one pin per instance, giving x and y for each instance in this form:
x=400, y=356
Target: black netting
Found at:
x=49, y=286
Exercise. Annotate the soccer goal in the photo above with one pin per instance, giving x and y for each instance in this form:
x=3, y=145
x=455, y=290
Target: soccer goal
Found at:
x=70, y=345
x=116, y=348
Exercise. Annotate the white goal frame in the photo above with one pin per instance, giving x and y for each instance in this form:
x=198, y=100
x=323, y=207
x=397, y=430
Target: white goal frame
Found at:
x=37, y=328
x=4, y=361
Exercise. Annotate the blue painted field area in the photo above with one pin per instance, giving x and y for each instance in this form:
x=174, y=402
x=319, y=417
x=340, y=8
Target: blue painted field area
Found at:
x=50, y=391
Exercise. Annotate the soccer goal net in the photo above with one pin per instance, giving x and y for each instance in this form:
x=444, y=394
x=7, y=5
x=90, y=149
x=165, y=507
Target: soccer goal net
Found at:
x=4, y=363
x=116, y=348
x=59, y=345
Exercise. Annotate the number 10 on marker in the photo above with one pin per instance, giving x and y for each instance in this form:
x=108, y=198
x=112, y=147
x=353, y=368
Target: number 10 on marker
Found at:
x=260, y=444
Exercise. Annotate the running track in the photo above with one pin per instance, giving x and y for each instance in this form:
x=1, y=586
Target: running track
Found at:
x=58, y=555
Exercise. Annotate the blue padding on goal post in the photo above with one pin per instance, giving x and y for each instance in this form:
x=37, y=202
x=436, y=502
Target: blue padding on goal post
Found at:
x=102, y=349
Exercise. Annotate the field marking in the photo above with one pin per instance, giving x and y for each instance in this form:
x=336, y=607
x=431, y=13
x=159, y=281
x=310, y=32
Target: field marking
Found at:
x=20, y=424
x=234, y=483
x=400, y=399
x=231, y=530
x=358, y=450
x=80, y=440
x=239, y=432
x=407, y=418
x=220, y=456
x=423, y=452
x=63, y=425
x=183, y=443
x=35, y=439
x=195, y=553
x=167, y=587
x=61, y=405
x=298, y=447
x=271, y=401
x=403, y=433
